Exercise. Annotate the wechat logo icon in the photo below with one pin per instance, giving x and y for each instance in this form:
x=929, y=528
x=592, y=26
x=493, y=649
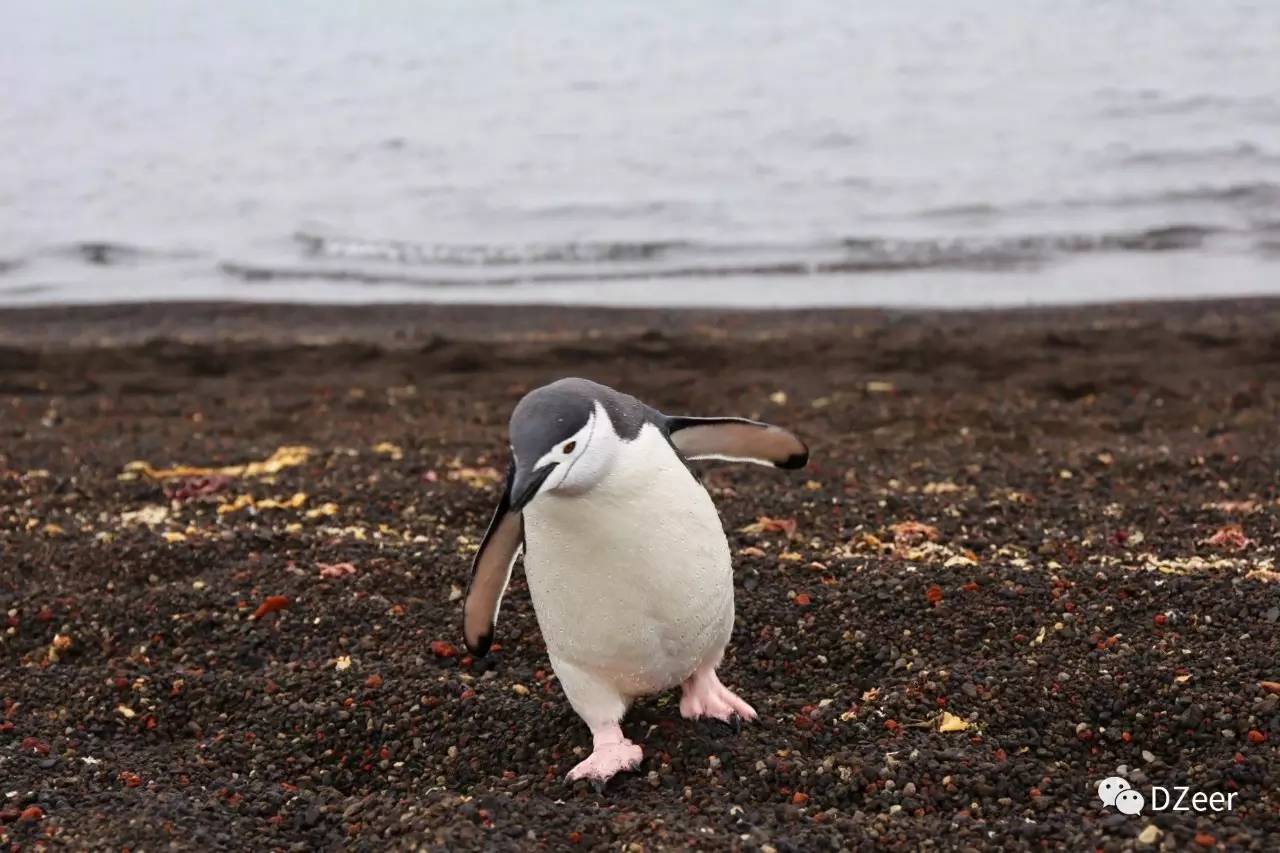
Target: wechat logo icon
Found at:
x=1114, y=791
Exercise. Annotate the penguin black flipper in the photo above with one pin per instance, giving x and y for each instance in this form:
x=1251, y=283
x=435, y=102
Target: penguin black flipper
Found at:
x=736, y=440
x=491, y=571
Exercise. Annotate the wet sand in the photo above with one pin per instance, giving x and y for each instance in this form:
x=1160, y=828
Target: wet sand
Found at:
x=1033, y=549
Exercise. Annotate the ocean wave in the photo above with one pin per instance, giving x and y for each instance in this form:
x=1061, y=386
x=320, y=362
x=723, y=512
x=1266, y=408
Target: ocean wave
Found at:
x=635, y=262
x=107, y=253
x=1248, y=195
x=103, y=253
x=962, y=211
x=399, y=251
x=25, y=289
x=1242, y=153
x=1147, y=103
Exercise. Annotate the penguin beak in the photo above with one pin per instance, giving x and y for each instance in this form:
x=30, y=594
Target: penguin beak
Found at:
x=526, y=486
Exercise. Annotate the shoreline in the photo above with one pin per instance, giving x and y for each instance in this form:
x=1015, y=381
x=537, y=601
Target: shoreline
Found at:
x=1057, y=525
x=403, y=324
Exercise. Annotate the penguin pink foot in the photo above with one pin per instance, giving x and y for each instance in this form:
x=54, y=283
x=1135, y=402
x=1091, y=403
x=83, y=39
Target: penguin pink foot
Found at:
x=702, y=695
x=611, y=754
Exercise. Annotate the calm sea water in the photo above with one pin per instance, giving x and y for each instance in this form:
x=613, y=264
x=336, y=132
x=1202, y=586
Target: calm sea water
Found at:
x=951, y=152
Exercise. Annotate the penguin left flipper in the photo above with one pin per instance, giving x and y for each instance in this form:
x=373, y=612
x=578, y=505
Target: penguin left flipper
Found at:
x=736, y=440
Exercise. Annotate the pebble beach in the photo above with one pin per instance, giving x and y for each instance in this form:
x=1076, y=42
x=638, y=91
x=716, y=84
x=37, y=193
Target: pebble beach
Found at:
x=1033, y=549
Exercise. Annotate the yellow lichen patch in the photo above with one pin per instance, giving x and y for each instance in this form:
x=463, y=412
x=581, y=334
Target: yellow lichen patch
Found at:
x=148, y=515
x=298, y=500
x=391, y=451
x=764, y=524
x=476, y=478
x=285, y=457
x=1233, y=507
x=387, y=530
x=1195, y=563
x=323, y=510
x=352, y=532
x=864, y=540
x=240, y=502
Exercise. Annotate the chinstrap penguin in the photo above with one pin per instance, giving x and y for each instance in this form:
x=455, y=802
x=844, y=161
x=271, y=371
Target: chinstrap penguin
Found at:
x=625, y=555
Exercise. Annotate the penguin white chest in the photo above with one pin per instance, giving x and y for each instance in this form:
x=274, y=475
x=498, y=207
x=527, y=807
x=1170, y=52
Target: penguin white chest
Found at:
x=632, y=579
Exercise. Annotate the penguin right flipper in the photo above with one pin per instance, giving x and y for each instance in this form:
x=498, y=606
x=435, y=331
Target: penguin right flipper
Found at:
x=736, y=440
x=491, y=572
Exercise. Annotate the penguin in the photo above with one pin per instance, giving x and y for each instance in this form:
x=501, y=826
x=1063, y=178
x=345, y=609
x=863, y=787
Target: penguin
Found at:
x=625, y=555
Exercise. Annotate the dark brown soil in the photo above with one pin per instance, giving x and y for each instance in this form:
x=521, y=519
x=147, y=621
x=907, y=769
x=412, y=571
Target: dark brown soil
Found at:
x=1073, y=592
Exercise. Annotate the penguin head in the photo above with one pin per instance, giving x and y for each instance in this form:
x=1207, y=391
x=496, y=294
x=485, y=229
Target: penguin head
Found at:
x=563, y=441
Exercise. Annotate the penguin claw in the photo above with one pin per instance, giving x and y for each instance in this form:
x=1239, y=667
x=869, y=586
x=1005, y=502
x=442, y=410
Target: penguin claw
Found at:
x=729, y=725
x=597, y=785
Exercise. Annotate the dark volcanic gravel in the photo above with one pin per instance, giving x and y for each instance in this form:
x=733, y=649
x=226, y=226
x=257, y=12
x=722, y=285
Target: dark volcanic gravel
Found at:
x=1058, y=527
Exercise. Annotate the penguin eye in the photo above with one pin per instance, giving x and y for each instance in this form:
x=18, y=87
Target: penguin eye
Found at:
x=568, y=448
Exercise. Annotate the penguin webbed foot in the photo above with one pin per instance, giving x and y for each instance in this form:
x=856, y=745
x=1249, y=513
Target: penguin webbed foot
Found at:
x=704, y=697
x=605, y=762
